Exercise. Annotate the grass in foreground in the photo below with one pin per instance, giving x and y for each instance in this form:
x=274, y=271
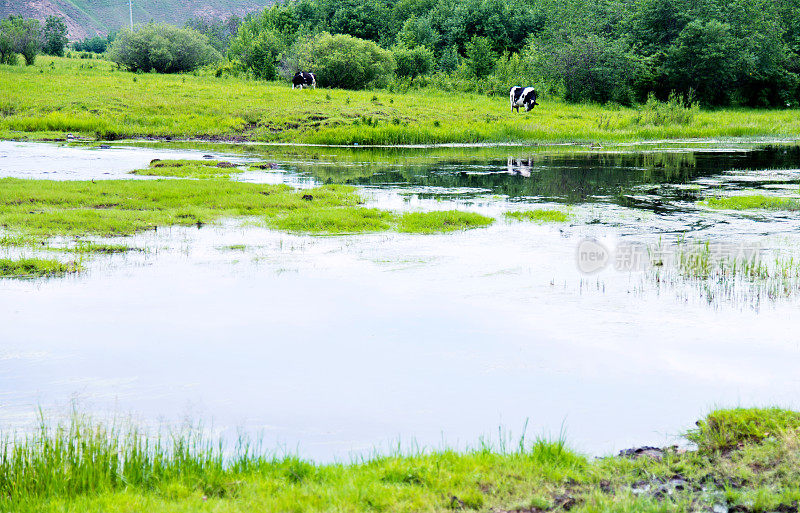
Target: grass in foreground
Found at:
x=57, y=96
x=752, y=202
x=539, y=216
x=747, y=460
x=35, y=268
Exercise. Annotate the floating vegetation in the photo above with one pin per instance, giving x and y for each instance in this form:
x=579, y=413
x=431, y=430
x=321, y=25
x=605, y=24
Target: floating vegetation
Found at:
x=35, y=268
x=538, y=215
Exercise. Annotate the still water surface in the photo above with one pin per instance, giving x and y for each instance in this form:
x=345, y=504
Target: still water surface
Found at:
x=334, y=346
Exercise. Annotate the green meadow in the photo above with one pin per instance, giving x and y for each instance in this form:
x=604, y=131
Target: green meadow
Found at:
x=745, y=460
x=93, y=99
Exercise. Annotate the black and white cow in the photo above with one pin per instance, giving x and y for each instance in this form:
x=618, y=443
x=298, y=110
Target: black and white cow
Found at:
x=520, y=96
x=303, y=79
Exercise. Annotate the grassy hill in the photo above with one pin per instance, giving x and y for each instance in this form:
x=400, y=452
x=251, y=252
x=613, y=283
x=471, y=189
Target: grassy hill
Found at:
x=98, y=17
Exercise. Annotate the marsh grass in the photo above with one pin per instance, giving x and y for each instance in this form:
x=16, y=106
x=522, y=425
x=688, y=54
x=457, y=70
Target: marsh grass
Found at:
x=51, y=101
x=45, y=208
x=200, y=169
x=752, y=202
x=739, y=274
x=99, y=248
x=36, y=268
x=539, y=215
x=334, y=221
x=441, y=221
x=746, y=457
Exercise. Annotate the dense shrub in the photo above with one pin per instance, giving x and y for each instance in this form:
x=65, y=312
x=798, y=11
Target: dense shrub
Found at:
x=413, y=62
x=162, y=48
x=257, y=51
x=341, y=61
x=97, y=44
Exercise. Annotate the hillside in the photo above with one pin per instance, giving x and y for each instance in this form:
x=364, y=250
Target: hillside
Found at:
x=98, y=17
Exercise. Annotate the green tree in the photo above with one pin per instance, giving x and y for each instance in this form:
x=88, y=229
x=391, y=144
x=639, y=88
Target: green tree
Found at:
x=481, y=58
x=593, y=68
x=18, y=35
x=54, y=36
x=705, y=58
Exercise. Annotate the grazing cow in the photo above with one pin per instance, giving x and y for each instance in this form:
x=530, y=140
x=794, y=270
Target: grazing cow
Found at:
x=303, y=79
x=520, y=96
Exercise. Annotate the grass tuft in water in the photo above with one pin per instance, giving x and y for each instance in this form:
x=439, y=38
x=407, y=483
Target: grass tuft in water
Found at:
x=441, y=221
x=539, y=215
x=35, y=268
x=201, y=169
x=334, y=220
x=752, y=202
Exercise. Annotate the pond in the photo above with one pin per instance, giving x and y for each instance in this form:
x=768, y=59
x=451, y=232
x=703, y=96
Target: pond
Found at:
x=337, y=346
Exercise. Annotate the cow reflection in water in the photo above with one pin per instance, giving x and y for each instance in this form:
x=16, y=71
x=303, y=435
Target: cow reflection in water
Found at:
x=521, y=167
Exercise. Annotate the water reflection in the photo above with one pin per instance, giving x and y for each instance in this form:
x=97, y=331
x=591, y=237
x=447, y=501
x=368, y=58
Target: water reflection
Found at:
x=616, y=177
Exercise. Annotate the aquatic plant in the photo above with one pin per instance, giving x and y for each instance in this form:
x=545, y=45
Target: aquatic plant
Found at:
x=333, y=220
x=441, y=221
x=752, y=202
x=35, y=267
x=189, y=169
x=538, y=215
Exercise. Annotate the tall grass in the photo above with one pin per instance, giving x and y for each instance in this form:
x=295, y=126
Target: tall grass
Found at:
x=86, y=458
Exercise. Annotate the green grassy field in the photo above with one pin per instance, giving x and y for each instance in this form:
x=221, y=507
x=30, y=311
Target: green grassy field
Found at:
x=746, y=460
x=58, y=96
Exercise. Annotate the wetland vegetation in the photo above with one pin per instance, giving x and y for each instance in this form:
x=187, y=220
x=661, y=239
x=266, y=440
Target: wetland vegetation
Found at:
x=742, y=460
x=49, y=100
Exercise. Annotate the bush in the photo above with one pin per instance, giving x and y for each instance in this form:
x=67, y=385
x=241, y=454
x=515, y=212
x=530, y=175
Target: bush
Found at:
x=341, y=61
x=677, y=110
x=413, y=62
x=54, y=36
x=163, y=48
x=96, y=44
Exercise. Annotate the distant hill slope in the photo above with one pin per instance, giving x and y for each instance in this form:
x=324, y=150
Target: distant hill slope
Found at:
x=98, y=17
